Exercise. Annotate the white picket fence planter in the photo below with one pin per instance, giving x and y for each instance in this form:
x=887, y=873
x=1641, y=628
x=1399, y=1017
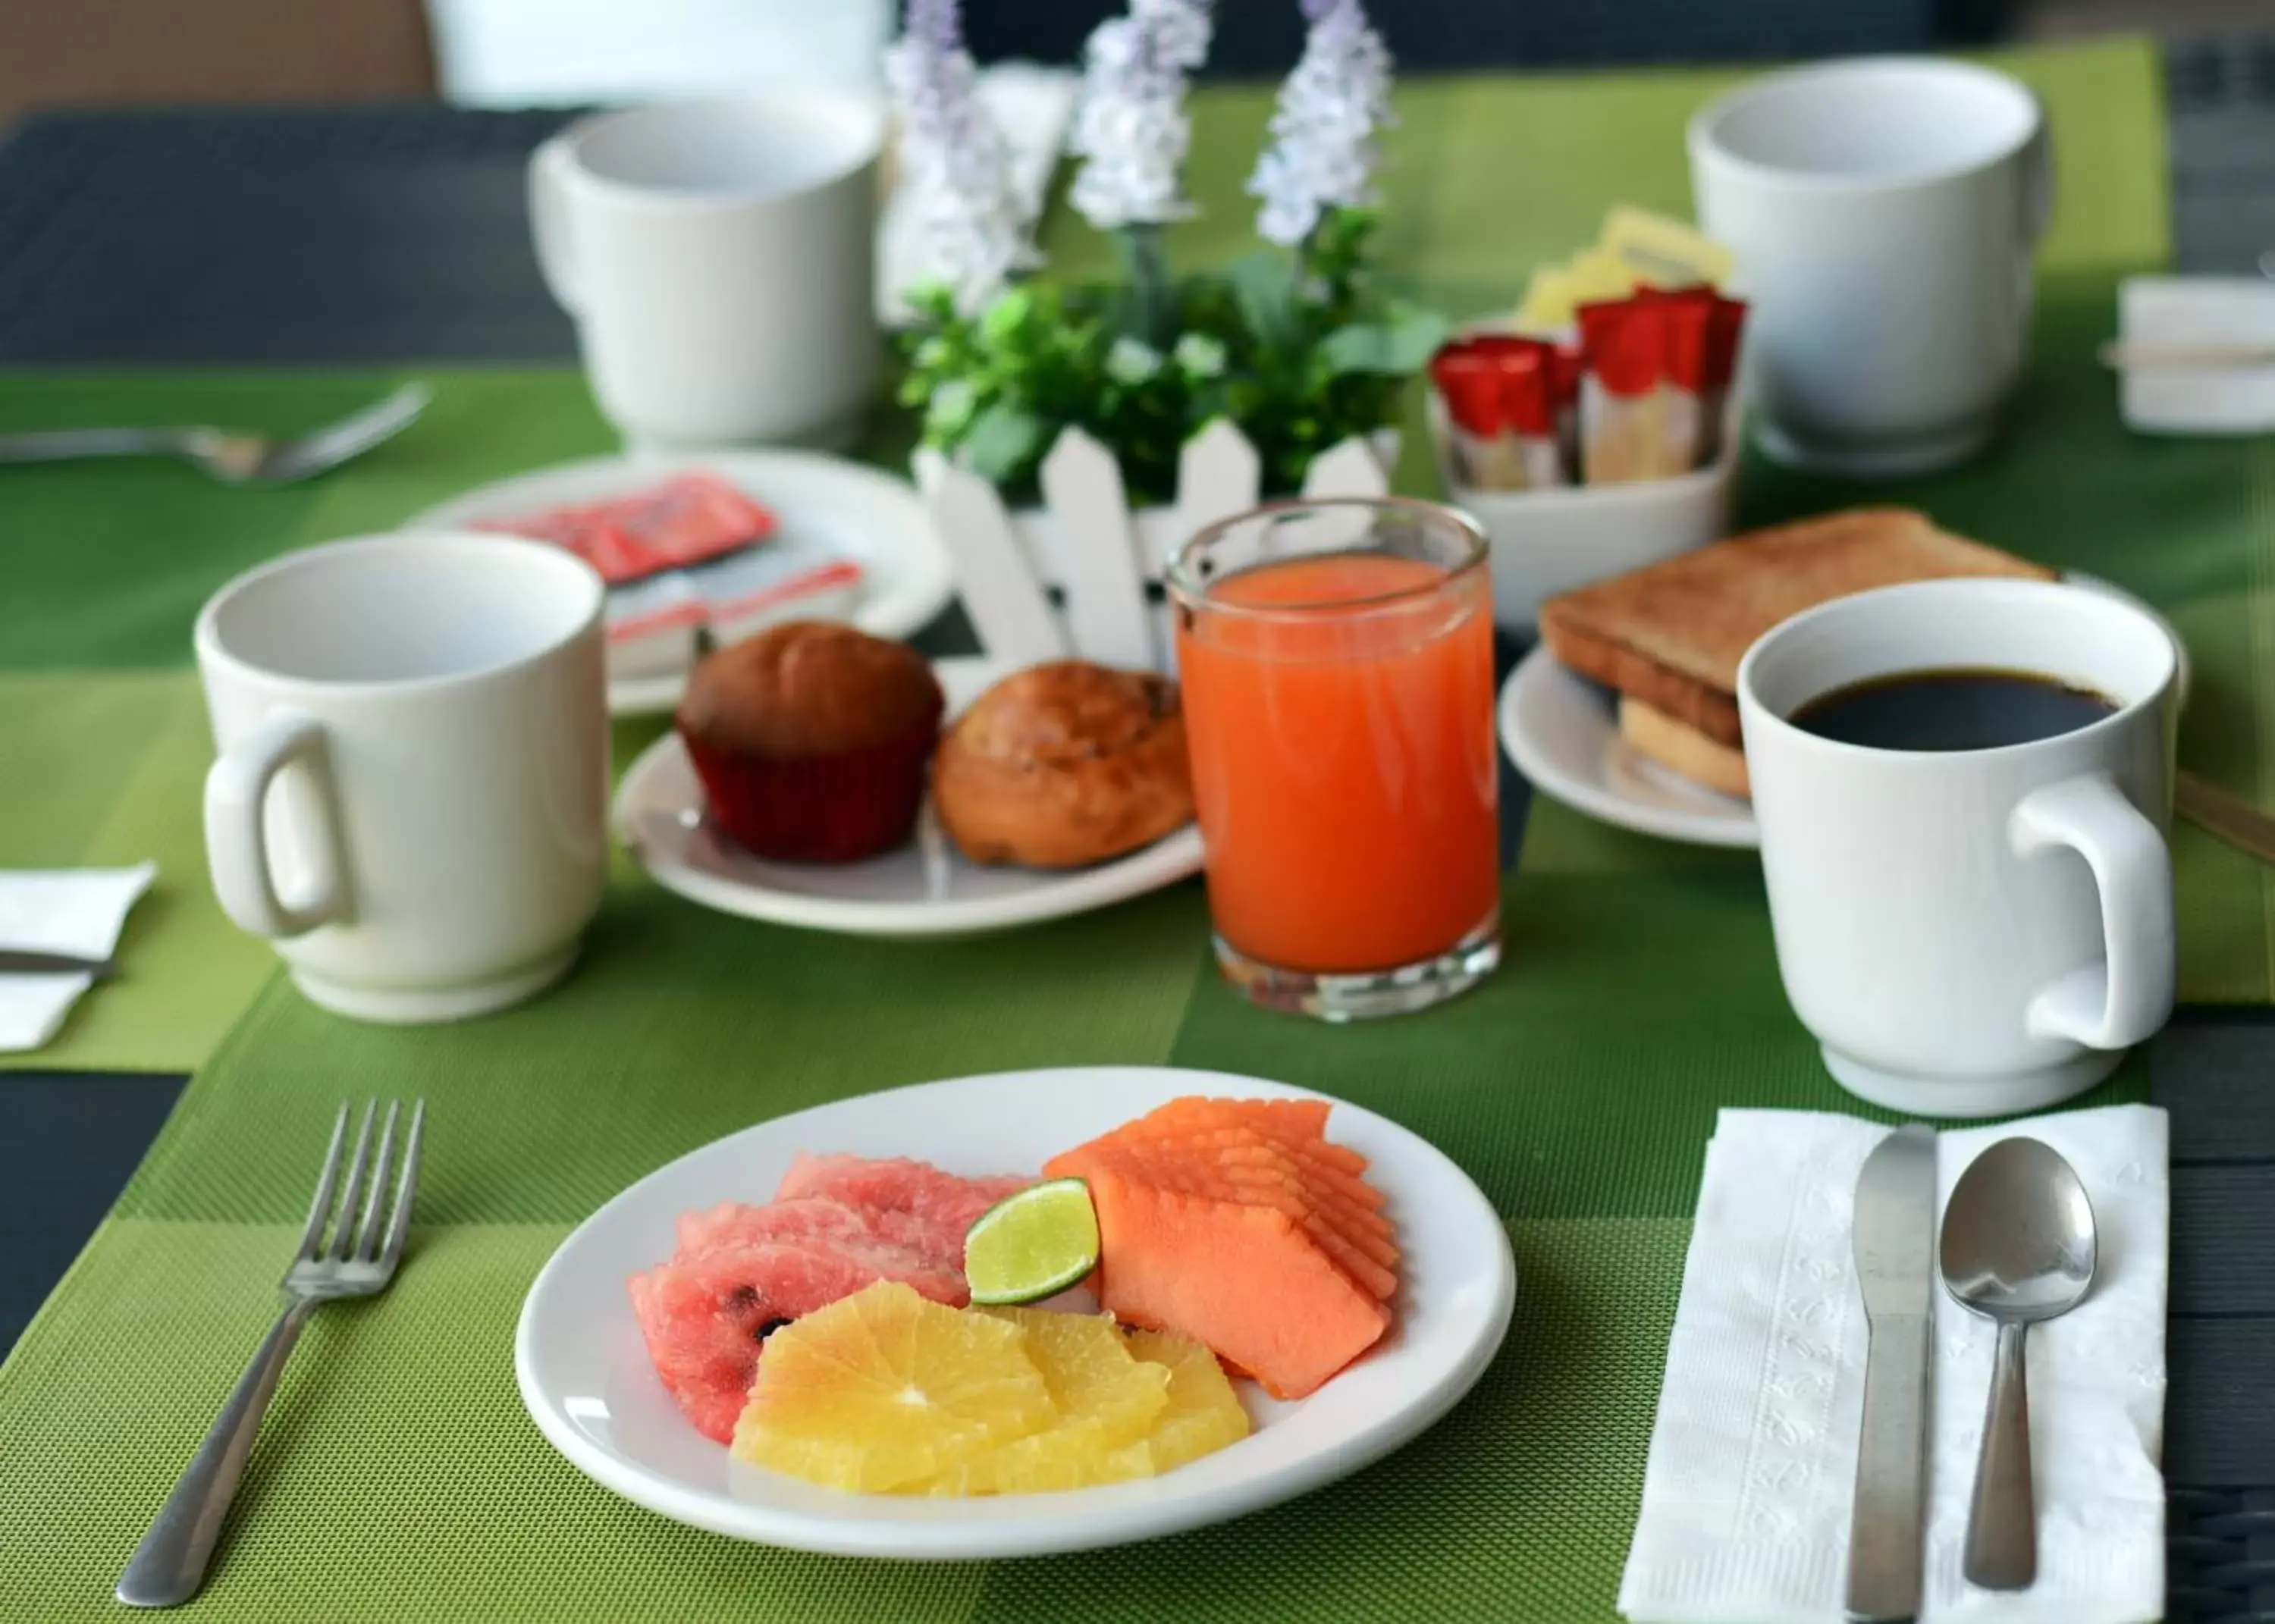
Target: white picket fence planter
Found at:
x=1086, y=544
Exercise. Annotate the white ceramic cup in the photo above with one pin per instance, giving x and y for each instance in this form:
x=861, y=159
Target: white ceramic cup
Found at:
x=1970, y=933
x=412, y=789
x=1884, y=211
x=718, y=259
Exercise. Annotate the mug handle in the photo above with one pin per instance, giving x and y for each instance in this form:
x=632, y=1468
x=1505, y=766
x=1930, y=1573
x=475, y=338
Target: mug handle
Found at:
x=2123, y=999
x=548, y=220
x=237, y=848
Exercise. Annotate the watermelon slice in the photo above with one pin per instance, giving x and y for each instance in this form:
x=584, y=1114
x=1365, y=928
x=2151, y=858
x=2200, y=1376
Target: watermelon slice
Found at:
x=705, y=1318
x=809, y=1219
x=841, y=1223
x=900, y=1185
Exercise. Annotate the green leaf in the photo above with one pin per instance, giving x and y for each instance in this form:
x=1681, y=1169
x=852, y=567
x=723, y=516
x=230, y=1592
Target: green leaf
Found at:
x=932, y=303
x=1396, y=348
x=1005, y=317
x=1264, y=287
x=1002, y=440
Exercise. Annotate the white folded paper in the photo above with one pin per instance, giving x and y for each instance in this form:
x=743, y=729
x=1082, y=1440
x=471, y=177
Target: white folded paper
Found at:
x=2186, y=313
x=76, y=911
x=1747, y=1493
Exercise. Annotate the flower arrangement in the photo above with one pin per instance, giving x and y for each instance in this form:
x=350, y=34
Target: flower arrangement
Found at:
x=1294, y=342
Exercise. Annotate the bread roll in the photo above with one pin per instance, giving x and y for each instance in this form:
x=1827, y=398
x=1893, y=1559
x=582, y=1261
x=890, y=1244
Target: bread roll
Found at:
x=1064, y=765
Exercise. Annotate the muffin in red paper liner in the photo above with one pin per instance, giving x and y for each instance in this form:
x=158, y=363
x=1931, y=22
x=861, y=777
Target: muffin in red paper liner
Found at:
x=811, y=740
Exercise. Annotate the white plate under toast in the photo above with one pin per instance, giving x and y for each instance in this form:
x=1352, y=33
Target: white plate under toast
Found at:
x=1563, y=732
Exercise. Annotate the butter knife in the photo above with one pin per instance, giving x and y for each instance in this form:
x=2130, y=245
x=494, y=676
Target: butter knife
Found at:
x=1894, y=1238
x=2225, y=816
x=26, y=962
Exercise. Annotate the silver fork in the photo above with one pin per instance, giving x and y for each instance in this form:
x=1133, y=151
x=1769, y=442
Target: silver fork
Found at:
x=356, y=1260
x=234, y=459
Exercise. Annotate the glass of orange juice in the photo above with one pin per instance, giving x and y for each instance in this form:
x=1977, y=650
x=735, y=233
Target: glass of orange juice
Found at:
x=1336, y=657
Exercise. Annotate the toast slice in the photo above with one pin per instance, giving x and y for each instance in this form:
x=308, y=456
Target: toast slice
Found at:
x=1671, y=635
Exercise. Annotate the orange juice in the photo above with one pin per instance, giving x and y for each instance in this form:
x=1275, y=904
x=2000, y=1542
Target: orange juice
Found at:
x=1340, y=712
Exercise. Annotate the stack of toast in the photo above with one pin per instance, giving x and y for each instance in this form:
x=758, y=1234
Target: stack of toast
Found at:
x=1668, y=638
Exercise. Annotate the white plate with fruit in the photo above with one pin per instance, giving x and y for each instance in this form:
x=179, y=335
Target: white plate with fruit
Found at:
x=812, y=1239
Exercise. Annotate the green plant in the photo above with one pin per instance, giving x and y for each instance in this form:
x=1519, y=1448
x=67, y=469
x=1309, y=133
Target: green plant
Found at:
x=1301, y=348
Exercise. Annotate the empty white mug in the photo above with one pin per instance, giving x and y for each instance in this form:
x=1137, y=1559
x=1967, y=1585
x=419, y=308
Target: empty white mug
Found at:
x=718, y=259
x=1970, y=933
x=1884, y=211
x=411, y=794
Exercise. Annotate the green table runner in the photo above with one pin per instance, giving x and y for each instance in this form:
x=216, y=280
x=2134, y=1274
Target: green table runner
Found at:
x=107, y=562
x=398, y=1477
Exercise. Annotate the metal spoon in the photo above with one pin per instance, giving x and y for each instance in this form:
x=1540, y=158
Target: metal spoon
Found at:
x=2018, y=1247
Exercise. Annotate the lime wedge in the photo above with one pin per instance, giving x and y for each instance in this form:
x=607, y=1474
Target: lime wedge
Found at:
x=1033, y=1244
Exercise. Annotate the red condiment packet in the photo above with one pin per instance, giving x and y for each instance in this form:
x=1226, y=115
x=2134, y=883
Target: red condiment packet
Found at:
x=1501, y=392
x=1725, y=326
x=686, y=520
x=1528, y=370
x=1470, y=383
x=1498, y=382
x=1701, y=330
x=1570, y=362
x=1683, y=314
x=1624, y=344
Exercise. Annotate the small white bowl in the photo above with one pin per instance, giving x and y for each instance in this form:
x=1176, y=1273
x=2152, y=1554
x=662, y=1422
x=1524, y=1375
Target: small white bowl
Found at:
x=1550, y=540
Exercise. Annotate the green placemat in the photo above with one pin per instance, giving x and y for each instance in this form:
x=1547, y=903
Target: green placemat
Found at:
x=113, y=765
x=1489, y=175
x=2187, y=524
x=1577, y=1087
x=399, y=1478
x=109, y=561
x=105, y=769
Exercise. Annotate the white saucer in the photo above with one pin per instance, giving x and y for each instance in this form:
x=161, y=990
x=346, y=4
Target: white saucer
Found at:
x=925, y=888
x=585, y=1377
x=1562, y=731
x=854, y=510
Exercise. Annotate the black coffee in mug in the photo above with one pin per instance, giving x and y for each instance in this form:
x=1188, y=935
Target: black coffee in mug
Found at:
x=1951, y=710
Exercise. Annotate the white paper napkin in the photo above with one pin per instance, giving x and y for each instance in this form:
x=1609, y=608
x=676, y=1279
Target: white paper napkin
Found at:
x=78, y=912
x=2187, y=311
x=1747, y=1493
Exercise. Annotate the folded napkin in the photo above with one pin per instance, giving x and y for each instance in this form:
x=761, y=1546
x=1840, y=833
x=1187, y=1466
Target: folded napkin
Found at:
x=1747, y=1493
x=2187, y=311
x=76, y=911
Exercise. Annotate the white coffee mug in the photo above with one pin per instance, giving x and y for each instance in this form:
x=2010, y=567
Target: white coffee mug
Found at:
x=1884, y=211
x=412, y=789
x=718, y=259
x=1981, y=931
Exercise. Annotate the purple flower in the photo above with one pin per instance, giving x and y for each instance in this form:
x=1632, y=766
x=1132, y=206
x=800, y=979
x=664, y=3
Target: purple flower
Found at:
x=1323, y=150
x=976, y=224
x=1130, y=129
